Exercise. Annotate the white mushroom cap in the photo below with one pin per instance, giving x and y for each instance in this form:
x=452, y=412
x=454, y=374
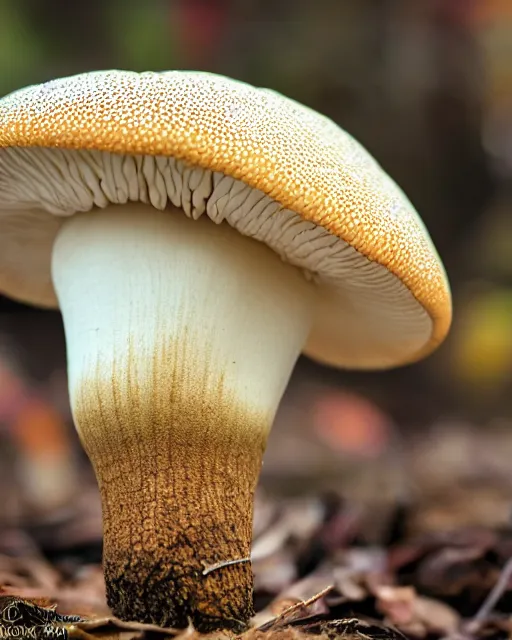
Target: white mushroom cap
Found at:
x=271, y=168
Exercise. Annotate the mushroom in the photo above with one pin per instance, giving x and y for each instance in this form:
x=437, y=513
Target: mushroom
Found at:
x=197, y=234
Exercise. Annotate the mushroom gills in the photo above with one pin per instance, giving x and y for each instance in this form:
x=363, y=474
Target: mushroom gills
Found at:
x=181, y=337
x=366, y=317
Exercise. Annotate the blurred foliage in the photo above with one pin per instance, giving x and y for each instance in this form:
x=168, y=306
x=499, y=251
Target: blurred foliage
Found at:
x=20, y=48
x=425, y=85
x=483, y=350
x=148, y=25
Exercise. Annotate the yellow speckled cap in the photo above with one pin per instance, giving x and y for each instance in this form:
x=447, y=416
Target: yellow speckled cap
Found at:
x=311, y=192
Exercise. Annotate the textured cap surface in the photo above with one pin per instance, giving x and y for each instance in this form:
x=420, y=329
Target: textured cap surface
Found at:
x=295, y=156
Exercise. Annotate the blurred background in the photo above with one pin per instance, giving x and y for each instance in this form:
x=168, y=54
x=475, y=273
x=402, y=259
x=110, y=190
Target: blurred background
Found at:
x=426, y=86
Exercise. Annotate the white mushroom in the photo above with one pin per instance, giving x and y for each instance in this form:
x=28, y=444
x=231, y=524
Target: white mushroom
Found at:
x=201, y=233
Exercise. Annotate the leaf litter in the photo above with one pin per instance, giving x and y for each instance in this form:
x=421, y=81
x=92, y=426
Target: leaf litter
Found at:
x=320, y=570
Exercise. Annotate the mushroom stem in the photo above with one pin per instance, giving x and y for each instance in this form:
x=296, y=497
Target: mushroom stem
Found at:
x=181, y=338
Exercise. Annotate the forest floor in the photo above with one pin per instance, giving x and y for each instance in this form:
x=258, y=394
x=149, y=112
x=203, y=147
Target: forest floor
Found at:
x=439, y=568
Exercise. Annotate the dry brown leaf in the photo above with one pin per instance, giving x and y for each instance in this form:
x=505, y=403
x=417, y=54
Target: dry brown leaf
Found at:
x=415, y=614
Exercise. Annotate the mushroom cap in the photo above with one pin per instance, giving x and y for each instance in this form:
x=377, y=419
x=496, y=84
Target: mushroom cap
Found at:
x=272, y=168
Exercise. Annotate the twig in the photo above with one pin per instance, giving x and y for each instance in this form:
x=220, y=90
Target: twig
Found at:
x=107, y=621
x=220, y=565
x=469, y=629
x=303, y=604
x=495, y=594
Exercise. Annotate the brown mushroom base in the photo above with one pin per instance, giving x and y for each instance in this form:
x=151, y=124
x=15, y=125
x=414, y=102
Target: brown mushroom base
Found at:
x=173, y=511
x=169, y=594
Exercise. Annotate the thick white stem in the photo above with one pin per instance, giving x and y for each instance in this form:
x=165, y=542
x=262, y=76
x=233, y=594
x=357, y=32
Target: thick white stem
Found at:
x=138, y=286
